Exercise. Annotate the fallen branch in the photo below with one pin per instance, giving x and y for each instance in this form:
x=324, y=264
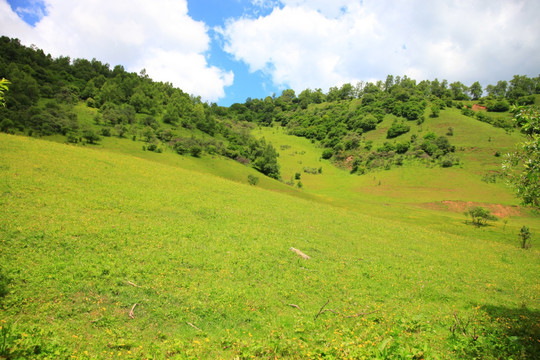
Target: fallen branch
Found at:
x=321, y=310
x=299, y=253
x=291, y=305
x=131, y=314
x=193, y=326
x=132, y=284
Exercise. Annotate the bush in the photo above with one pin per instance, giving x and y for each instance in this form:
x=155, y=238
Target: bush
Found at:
x=446, y=163
x=435, y=111
x=90, y=136
x=252, y=180
x=402, y=148
x=195, y=150
x=397, y=129
x=297, y=176
x=525, y=237
x=72, y=138
x=498, y=106
x=327, y=154
x=480, y=216
x=105, y=132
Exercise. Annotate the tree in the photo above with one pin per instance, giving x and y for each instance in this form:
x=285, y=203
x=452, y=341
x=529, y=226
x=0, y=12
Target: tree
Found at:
x=525, y=237
x=480, y=216
x=397, y=129
x=4, y=86
x=522, y=167
x=475, y=90
x=252, y=180
x=90, y=136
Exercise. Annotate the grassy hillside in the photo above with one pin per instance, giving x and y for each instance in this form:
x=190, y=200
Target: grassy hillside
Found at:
x=86, y=234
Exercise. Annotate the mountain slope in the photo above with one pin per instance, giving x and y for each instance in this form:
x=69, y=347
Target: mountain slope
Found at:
x=88, y=234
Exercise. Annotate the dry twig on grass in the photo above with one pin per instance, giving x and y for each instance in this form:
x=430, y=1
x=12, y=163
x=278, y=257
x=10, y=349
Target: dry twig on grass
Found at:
x=131, y=314
x=300, y=253
x=321, y=310
x=193, y=326
x=132, y=284
x=294, y=306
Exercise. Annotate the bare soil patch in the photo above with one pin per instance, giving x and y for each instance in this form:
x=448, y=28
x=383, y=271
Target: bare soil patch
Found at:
x=501, y=211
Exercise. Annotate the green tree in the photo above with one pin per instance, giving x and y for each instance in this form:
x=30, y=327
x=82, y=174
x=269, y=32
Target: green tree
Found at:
x=523, y=165
x=252, y=180
x=480, y=216
x=90, y=136
x=475, y=90
x=397, y=129
x=525, y=237
x=4, y=86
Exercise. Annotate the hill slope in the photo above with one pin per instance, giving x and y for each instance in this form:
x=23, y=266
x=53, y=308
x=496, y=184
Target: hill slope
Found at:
x=88, y=234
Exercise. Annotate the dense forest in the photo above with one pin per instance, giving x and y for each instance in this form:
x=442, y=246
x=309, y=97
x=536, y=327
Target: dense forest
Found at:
x=45, y=90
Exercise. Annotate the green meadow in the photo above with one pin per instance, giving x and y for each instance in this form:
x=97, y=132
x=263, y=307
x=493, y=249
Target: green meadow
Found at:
x=108, y=251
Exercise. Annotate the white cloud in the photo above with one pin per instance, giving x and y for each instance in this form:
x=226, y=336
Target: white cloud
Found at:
x=319, y=43
x=156, y=35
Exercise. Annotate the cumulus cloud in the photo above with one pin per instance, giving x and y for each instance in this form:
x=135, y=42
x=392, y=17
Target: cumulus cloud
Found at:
x=319, y=43
x=157, y=35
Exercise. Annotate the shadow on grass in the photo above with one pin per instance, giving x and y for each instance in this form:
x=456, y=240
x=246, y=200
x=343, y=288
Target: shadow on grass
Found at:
x=518, y=330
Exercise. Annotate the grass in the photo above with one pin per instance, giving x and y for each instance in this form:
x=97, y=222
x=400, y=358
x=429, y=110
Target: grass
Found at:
x=215, y=274
x=87, y=232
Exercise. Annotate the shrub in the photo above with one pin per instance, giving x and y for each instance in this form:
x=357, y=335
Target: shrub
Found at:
x=498, y=106
x=252, y=180
x=397, y=129
x=480, y=216
x=72, y=138
x=435, y=111
x=446, y=163
x=297, y=176
x=327, y=154
x=105, y=132
x=90, y=136
x=195, y=150
x=525, y=237
x=401, y=148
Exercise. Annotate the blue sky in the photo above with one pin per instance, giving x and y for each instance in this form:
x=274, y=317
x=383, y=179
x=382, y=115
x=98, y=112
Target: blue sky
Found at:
x=228, y=50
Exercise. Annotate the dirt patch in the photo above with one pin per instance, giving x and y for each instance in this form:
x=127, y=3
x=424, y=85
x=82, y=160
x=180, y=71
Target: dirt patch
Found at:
x=348, y=162
x=501, y=211
x=477, y=107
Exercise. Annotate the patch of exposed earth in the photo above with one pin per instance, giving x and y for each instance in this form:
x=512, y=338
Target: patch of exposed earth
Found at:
x=501, y=211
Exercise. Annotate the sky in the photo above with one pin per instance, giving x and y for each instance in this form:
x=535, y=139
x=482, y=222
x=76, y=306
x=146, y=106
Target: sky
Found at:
x=228, y=50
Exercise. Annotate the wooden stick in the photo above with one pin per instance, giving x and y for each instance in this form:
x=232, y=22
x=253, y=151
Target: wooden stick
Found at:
x=132, y=284
x=301, y=254
x=294, y=306
x=193, y=326
x=131, y=314
x=321, y=310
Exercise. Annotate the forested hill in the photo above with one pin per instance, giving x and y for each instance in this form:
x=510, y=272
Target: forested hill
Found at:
x=343, y=119
x=47, y=93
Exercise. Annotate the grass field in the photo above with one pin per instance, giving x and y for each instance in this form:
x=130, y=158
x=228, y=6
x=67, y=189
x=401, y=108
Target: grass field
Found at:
x=87, y=233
